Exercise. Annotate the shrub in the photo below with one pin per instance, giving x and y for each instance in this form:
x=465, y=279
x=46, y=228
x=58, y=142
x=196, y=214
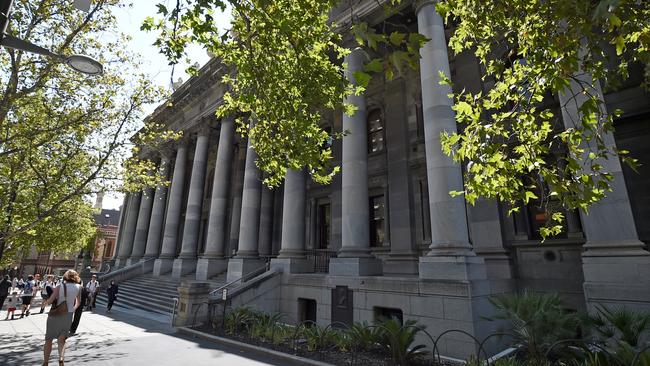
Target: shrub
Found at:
x=537, y=320
x=397, y=340
x=363, y=337
x=239, y=320
x=613, y=325
x=318, y=338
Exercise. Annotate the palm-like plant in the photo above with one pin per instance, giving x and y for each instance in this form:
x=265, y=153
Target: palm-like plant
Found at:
x=318, y=338
x=397, y=340
x=363, y=337
x=620, y=324
x=537, y=321
x=238, y=320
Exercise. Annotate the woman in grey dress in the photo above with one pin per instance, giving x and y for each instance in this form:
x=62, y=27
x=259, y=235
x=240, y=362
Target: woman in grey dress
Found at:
x=59, y=326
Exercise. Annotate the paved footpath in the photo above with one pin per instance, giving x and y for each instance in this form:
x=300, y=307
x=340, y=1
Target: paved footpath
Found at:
x=119, y=338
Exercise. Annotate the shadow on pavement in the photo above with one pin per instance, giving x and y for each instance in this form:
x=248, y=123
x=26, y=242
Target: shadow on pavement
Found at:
x=27, y=349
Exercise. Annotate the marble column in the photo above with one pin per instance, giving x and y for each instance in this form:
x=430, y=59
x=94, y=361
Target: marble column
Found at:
x=235, y=206
x=266, y=223
x=213, y=260
x=354, y=258
x=615, y=263
x=126, y=246
x=450, y=255
x=120, y=228
x=157, y=212
x=142, y=226
x=247, y=259
x=292, y=247
x=186, y=261
x=165, y=260
x=403, y=258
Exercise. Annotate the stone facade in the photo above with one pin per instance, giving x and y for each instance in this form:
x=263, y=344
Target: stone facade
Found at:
x=384, y=238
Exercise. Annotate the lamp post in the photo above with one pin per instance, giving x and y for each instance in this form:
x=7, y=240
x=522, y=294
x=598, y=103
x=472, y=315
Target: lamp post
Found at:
x=80, y=63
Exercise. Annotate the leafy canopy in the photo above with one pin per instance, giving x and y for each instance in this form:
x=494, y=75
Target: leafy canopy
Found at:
x=65, y=135
x=287, y=71
x=532, y=50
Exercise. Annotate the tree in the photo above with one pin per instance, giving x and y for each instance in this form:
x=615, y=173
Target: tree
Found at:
x=287, y=74
x=515, y=144
x=63, y=135
x=286, y=62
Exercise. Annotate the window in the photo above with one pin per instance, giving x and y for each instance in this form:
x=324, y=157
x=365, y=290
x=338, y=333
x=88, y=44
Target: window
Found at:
x=381, y=313
x=324, y=227
x=307, y=311
x=376, y=141
x=377, y=218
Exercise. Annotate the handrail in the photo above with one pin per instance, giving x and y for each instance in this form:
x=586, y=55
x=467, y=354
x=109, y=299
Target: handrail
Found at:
x=243, y=278
x=126, y=270
x=175, y=299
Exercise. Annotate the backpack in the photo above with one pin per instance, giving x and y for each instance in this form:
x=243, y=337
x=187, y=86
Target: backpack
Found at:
x=28, y=287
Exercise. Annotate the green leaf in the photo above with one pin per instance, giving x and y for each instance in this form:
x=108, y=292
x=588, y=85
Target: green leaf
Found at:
x=397, y=38
x=362, y=79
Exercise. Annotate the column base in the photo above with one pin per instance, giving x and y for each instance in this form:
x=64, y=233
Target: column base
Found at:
x=239, y=267
x=183, y=266
x=401, y=264
x=459, y=268
x=365, y=266
x=133, y=260
x=121, y=262
x=162, y=266
x=293, y=265
x=617, y=281
x=210, y=267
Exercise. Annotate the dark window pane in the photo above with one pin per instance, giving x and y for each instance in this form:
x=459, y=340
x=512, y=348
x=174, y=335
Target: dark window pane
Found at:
x=375, y=131
x=377, y=213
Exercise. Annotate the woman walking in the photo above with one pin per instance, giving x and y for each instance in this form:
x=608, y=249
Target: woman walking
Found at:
x=111, y=291
x=66, y=294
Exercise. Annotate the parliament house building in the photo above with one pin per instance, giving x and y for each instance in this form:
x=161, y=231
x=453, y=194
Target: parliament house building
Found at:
x=385, y=238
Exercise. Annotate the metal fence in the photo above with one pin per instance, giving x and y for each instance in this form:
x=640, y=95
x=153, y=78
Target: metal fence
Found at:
x=321, y=259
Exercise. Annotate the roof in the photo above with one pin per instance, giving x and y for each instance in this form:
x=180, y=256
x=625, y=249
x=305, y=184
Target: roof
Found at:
x=108, y=217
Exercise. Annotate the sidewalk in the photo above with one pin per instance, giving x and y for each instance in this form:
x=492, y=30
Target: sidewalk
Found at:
x=119, y=338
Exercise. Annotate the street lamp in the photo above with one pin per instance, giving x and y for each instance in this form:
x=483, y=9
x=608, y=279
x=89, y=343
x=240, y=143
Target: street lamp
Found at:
x=80, y=63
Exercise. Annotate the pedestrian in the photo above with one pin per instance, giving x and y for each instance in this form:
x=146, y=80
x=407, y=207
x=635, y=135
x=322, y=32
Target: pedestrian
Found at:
x=111, y=291
x=77, y=313
x=11, y=305
x=14, y=284
x=21, y=284
x=68, y=295
x=47, y=289
x=93, y=289
x=5, y=285
x=27, y=295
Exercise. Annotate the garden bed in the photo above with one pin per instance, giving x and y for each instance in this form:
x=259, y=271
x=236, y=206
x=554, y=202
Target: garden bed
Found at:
x=332, y=355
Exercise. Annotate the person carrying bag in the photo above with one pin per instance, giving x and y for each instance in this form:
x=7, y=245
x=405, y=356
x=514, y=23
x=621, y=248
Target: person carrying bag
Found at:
x=66, y=299
x=62, y=307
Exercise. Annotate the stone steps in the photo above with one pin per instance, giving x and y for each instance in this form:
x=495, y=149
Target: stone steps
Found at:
x=151, y=293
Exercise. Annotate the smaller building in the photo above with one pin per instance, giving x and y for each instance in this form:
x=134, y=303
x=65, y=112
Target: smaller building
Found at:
x=106, y=221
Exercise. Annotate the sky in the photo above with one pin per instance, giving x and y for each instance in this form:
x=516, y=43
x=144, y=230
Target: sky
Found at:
x=155, y=64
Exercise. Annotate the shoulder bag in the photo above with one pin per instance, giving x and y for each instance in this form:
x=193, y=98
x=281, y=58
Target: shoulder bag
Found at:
x=62, y=308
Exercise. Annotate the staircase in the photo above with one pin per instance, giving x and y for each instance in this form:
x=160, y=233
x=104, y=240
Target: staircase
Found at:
x=149, y=293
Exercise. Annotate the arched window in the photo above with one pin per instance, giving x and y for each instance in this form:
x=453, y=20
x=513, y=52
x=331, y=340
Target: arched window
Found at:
x=376, y=136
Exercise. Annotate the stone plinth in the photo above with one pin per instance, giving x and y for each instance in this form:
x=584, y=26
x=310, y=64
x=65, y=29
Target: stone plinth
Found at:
x=192, y=308
x=459, y=268
x=293, y=265
x=239, y=267
x=210, y=267
x=364, y=266
x=183, y=266
x=162, y=266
